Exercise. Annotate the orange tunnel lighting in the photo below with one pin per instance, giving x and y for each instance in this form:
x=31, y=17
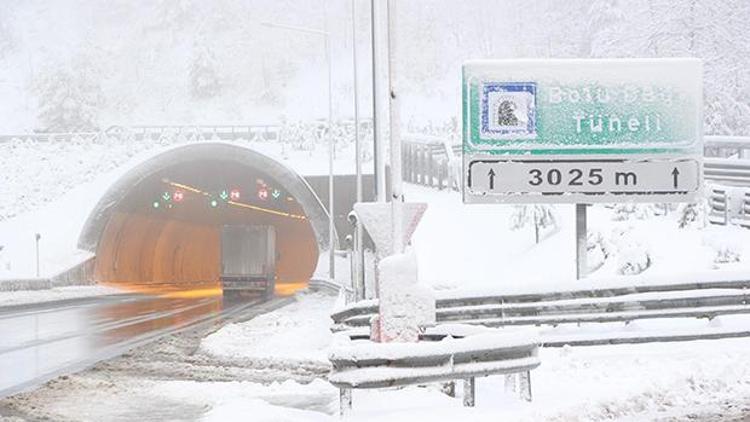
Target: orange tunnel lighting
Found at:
x=157, y=255
x=175, y=250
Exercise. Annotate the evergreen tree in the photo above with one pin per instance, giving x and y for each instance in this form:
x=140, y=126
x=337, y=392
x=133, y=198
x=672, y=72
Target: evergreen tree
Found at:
x=71, y=98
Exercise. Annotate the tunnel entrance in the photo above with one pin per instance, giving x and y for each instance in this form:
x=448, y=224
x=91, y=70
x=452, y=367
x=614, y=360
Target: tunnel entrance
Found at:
x=160, y=228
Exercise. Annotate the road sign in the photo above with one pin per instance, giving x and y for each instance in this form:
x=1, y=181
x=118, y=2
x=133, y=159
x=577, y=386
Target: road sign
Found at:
x=376, y=219
x=582, y=131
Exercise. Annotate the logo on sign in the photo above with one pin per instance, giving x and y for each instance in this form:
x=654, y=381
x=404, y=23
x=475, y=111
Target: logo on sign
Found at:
x=509, y=110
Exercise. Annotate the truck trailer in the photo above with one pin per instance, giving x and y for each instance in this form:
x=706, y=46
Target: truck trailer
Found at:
x=248, y=261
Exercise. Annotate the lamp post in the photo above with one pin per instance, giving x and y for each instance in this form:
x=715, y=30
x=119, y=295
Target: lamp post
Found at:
x=331, y=227
x=359, y=275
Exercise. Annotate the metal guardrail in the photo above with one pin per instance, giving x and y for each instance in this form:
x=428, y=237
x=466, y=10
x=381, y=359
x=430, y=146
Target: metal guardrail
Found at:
x=726, y=146
x=156, y=132
x=729, y=171
x=380, y=365
x=626, y=304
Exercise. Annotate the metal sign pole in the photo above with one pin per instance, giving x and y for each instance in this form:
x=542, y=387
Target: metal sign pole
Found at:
x=377, y=113
x=359, y=248
x=581, y=241
x=331, y=153
x=396, y=182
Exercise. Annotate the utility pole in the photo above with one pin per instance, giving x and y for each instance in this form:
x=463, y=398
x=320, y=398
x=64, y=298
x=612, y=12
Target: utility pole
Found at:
x=396, y=183
x=377, y=112
x=331, y=152
x=359, y=248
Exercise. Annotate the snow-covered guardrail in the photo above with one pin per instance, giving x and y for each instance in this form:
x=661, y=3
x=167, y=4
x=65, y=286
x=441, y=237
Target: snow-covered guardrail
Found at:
x=155, y=132
x=365, y=364
x=624, y=304
x=726, y=146
x=727, y=170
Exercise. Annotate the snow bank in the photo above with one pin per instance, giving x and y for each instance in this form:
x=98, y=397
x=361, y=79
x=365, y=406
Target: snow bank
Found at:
x=241, y=401
x=405, y=305
x=296, y=332
x=59, y=293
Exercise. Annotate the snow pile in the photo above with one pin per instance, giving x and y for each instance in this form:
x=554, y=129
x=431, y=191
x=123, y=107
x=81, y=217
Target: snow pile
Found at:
x=297, y=332
x=405, y=304
x=239, y=401
x=59, y=293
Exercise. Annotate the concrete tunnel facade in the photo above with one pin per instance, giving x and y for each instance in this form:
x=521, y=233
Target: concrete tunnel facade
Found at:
x=143, y=239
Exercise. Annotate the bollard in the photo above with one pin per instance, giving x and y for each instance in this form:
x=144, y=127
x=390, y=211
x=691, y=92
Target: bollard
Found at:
x=470, y=389
x=345, y=401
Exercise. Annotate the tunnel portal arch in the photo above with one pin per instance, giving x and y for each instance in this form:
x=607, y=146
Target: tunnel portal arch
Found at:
x=107, y=211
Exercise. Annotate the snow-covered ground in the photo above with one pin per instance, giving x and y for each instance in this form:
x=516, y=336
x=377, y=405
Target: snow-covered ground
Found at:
x=701, y=380
x=472, y=249
x=461, y=250
x=57, y=293
x=299, y=332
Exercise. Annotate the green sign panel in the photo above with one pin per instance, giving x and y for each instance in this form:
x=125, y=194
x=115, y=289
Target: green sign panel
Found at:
x=609, y=111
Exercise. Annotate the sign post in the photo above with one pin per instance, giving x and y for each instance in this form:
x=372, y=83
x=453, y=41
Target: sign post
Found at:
x=581, y=241
x=582, y=132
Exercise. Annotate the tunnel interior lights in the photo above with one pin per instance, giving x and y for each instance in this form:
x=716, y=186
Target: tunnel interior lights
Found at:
x=214, y=203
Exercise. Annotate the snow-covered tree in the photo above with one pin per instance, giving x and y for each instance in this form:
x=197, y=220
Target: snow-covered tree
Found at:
x=204, y=72
x=598, y=250
x=692, y=214
x=726, y=255
x=538, y=215
x=633, y=259
x=6, y=37
x=70, y=97
x=627, y=211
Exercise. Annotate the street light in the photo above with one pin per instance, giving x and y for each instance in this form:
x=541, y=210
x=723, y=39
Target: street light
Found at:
x=326, y=38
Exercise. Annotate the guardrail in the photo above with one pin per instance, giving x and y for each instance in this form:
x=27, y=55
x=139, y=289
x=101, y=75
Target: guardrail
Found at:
x=726, y=146
x=625, y=304
x=365, y=364
x=156, y=132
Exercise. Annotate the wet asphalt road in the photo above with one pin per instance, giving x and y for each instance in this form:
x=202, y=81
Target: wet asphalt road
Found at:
x=39, y=342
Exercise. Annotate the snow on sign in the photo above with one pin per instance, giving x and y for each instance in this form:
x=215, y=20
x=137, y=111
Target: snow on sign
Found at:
x=582, y=131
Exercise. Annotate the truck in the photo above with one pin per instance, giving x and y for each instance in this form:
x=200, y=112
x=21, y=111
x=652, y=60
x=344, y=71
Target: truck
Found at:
x=248, y=261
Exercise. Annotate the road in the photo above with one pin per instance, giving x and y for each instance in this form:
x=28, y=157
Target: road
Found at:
x=39, y=342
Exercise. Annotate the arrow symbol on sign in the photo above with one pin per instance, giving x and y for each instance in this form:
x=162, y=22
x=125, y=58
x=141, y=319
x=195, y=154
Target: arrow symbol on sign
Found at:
x=492, y=178
x=675, y=173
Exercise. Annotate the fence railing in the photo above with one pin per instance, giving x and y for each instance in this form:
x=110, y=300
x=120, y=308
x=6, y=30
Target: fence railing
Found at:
x=726, y=146
x=156, y=132
x=625, y=304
